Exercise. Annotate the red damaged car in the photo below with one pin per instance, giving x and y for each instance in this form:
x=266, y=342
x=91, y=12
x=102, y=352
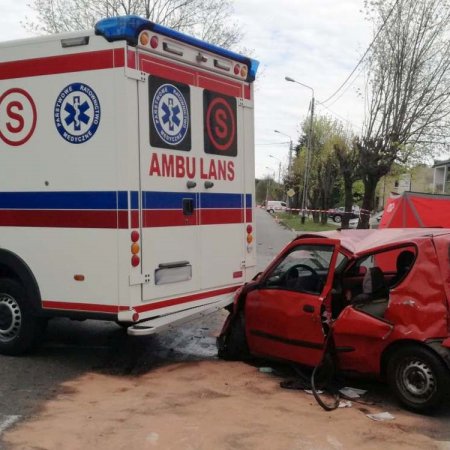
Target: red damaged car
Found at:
x=383, y=294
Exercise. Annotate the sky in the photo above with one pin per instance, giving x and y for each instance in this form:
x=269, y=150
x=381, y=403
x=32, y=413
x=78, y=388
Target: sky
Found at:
x=316, y=42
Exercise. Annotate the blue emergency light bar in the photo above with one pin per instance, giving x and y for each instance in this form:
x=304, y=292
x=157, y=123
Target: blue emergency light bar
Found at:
x=129, y=27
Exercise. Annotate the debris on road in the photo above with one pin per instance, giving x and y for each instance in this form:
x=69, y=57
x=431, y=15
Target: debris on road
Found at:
x=345, y=404
x=381, y=417
x=352, y=392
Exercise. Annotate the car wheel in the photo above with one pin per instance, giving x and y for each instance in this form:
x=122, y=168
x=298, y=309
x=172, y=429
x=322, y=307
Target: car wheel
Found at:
x=233, y=346
x=271, y=211
x=418, y=378
x=20, y=330
x=337, y=219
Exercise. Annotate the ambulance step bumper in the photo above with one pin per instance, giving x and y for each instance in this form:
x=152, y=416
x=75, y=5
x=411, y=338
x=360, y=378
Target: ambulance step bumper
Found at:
x=170, y=321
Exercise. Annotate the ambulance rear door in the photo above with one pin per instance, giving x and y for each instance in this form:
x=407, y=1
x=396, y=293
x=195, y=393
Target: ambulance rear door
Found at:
x=169, y=188
x=194, y=199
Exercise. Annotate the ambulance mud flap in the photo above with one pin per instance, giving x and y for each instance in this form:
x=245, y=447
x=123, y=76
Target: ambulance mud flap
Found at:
x=170, y=321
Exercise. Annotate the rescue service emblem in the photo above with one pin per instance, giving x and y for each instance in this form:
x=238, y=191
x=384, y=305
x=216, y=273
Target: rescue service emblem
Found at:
x=77, y=113
x=169, y=110
x=220, y=131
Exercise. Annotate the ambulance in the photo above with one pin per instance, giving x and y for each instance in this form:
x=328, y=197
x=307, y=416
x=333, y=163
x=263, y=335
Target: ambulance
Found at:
x=126, y=179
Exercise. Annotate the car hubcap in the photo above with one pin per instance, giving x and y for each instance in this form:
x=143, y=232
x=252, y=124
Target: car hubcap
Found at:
x=418, y=379
x=10, y=318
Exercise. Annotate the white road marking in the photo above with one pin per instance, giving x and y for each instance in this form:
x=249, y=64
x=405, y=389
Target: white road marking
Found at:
x=7, y=421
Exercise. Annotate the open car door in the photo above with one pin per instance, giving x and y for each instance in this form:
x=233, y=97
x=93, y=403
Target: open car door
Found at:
x=283, y=315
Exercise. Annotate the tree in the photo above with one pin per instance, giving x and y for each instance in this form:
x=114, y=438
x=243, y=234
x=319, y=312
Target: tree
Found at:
x=323, y=166
x=408, y=107
x=348, y=158
x=205, y=19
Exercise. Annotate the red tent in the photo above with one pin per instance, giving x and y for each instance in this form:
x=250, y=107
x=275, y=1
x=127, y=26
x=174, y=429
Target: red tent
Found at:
x=416, y=210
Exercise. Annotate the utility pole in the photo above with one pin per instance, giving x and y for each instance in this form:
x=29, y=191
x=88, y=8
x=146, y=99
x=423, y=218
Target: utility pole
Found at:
x=308, y=155
x=307, y=163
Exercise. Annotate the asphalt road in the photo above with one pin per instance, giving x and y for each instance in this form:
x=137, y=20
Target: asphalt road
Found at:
x=74, y=348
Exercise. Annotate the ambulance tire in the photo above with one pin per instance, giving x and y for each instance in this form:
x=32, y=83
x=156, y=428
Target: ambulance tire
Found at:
x=20, y=330
x=418, y=378
x=234, y=346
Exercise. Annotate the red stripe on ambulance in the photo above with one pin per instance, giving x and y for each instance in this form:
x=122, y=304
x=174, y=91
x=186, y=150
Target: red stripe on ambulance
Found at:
x=77, y=62
x=114, y=309
x=186, y=299
x=63, y=218
x=165, y=69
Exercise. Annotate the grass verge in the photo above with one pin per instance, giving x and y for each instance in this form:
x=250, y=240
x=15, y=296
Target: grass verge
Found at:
x=293, y=221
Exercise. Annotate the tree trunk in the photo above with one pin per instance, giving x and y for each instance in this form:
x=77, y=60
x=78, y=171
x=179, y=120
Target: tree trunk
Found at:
x=370, y=185
x=348, y=201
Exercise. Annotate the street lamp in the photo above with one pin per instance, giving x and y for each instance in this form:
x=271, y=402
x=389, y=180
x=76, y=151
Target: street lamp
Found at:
x=308, y=156
x=291, y=147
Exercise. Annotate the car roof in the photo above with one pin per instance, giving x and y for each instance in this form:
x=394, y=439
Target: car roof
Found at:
x=361, y=241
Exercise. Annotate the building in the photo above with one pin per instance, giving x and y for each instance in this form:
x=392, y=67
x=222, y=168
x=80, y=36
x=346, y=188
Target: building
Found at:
x=441, y=177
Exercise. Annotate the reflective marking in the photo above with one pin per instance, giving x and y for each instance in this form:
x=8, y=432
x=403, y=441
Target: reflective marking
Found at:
x=7, y=422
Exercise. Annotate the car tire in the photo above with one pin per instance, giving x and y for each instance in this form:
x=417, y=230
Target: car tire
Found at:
x=233, y=346
x=418, y=378
x=20, y=330
x=337, y=219
x=271, y=211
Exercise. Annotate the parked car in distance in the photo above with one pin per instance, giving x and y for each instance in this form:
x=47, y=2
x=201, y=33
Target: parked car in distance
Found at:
x=337, y=214
x=382, y=294
x=275, y=206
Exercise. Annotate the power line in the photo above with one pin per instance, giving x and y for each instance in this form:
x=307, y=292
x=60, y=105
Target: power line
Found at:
x=273, y=143
x=337, y=115
x=365, y=53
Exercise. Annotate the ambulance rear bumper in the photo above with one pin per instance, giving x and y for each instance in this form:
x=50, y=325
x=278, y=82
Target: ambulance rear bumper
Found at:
x=170, y=321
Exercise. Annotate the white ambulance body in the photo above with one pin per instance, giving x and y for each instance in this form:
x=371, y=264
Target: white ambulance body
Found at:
x=126, y=178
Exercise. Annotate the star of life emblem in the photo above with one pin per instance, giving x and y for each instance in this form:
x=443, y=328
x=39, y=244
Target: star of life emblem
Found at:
x=77, y=113
x=170, y=114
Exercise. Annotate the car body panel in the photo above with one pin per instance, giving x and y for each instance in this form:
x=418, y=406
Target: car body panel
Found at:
x=360, y=340
x=287, y=324
x=278, y=326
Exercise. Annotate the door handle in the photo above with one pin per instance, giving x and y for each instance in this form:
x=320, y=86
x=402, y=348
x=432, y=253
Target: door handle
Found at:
x=308, y=308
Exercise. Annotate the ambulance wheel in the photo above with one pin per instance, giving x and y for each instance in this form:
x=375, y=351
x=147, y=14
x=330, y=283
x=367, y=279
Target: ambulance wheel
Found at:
x=418, y=378
x=20, y=330
x=233, y=346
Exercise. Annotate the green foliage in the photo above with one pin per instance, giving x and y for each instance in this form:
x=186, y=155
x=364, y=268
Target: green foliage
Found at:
x=293, y=221
x=323, y=176
x=268, y=189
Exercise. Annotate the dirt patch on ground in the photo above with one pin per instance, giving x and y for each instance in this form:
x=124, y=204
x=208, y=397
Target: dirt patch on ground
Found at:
x=207, y=405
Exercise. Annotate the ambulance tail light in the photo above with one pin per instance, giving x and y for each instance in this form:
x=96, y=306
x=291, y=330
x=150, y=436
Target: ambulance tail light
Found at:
x=249, y=238
x=144, y=39
x=154, y=42
x=135, y=248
